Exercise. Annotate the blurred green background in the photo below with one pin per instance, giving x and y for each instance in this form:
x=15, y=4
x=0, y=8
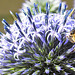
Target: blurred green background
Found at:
x=14, y=6
x=5, y=7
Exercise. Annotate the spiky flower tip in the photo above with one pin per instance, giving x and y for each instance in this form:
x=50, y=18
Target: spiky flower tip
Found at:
x=37, y=45
x=54, y=4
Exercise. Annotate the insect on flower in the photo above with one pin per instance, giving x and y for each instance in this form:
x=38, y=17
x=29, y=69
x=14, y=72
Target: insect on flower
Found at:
x=72, y=36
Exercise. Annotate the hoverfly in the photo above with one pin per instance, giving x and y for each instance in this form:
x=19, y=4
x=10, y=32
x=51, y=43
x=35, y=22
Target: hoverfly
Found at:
x=71, y=36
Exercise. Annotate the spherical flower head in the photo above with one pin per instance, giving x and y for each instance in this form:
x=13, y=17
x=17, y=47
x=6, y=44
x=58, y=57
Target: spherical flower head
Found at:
x=37, y=45
x=42, y=3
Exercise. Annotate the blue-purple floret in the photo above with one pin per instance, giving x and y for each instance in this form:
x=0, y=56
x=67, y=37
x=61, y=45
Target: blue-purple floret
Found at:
x=37, y=45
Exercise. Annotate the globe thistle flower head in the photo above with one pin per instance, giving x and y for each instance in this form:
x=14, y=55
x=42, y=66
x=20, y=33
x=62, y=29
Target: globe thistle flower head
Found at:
x=54, y=4
x=37, y=44
x=41, y=4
